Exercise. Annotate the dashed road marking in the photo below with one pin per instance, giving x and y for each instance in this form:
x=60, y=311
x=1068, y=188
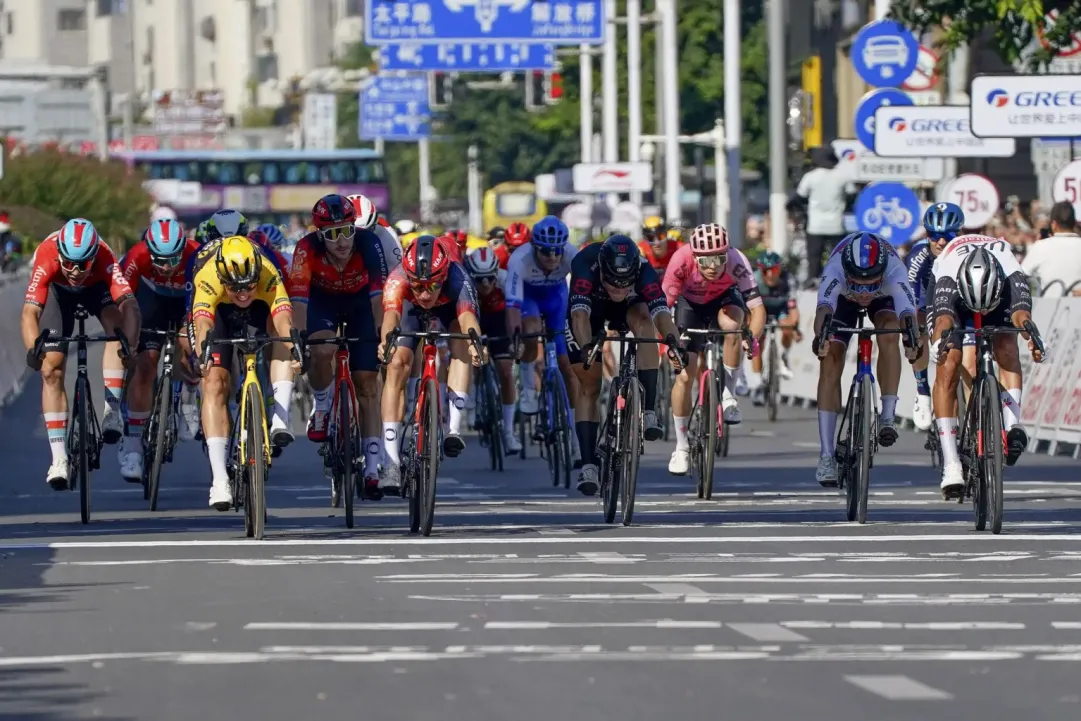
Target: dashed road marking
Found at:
x=898, y=688
x=766, y=632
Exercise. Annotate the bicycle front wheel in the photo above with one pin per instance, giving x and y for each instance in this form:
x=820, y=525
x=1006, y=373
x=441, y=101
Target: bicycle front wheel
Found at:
x=773, y=387
x=863, y=471
x=609, y=470
x=712, y=430
x=82, y=436
x=154, y=451
x=562, y=426
x=345, y=448
x=493, y=425
x=991, y=451
x=631, y=444
x=429, y=458
x=255, y=466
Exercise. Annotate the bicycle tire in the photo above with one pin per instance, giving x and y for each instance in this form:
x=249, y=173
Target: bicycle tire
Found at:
x=160, y=419
x=711, y=434
x=429, y=458
x=562, y=422
x=495, y=423
x=82, y=436
x=631, y=443
x=345, y=448
x=664, y=397
x=934, y=446
x=256, y=464
x=991, y=460
x=409, y=469
x=773, y=388
x=695, y=438
x=609, y=477
x=548, y=446
x=523, y=434
x=847, y=471
x=867, y=414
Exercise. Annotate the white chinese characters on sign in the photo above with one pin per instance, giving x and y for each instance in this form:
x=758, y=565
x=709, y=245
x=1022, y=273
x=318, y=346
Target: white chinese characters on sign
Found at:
x=417, y=20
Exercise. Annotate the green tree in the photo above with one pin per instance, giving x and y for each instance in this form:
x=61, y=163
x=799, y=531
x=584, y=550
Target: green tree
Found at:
x=1014, y=25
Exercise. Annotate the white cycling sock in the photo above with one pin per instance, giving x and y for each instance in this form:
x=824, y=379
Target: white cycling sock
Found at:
x=216, y=452
x=682, y=443
x=529, y=375
x=827, y=432
x=391, y=438
x=283, y=399
x=889, y=407
x=1011, y=407
x=947, y=439
x=454, y=417
x=373, y=452
x=322, y=399
x=508, y=417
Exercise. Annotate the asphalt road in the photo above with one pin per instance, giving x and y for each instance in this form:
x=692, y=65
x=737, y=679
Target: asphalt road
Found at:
x=764, y=602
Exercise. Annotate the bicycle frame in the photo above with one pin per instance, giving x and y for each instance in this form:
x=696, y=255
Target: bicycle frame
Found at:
x=711, y=360
x=251, y=386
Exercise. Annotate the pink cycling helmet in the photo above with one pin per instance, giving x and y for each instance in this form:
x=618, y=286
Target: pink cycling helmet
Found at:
x=709, y=239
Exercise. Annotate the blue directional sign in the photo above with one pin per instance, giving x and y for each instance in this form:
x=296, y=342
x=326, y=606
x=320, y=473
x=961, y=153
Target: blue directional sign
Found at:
x=392, y=22
x=884, y=53
x=865, y=111
x=475, y=57
x=391, y=88
x=891, y=210
x=394, y=120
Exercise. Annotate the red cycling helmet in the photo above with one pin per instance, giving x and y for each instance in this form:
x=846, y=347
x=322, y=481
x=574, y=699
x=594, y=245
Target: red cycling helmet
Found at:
x=517, y=234
x=426, y=260
x=333, y=211
x=457, y=237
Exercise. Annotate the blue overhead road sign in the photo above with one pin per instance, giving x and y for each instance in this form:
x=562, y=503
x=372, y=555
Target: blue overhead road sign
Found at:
x=394, y=120
x=478, y=57
x=865, y=111
x=885, y=53
x=391, y=88
x=891, y=210
x=569, y=22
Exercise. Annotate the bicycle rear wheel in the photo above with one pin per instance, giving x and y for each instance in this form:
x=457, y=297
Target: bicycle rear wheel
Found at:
x=863, y=469
x=664, y=397
x=773, y=387
x=709, y=430
x=345, y=448
x=991, y=455
x=256, y=467
x=631, y=442
x=82, y=436
x=429, y=458
x=154, y=450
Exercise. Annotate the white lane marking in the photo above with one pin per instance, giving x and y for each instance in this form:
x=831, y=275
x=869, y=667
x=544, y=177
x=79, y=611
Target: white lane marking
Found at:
x=556, y=531
x=200, y=625
x=762, y=434
x=766, y=632
x=16, y=661
x=673, y=581
x=605, y=557
x=898, y=688
x=1066, y=625
x=352, y=626
x=544, y=625
x=743, y=599
x=678, y=589
x=894, y=626
x=614, y=538
x=805, y=444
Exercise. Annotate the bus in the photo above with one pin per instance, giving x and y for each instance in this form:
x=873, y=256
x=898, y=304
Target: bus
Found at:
x=513, y=202
x=267, y=185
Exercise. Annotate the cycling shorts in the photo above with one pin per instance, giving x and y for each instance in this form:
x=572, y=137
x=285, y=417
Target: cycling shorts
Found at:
x=549, y=303
x=494, y=325
x=848, y=311
x=159, y=311
x=327, y=310
x=703, y=316
x=58, y=315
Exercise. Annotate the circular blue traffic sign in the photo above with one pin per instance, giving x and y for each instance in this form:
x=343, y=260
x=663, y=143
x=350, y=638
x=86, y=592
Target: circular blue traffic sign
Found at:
x=891, y=210
x=865, y=111
x=885, y=53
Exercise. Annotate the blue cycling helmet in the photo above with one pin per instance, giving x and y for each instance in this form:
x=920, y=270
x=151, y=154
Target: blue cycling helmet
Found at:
x=274, y=235
x=944, y=220
x=165, y=239
x=78, y=241
x=864, y=256
x=550, y=233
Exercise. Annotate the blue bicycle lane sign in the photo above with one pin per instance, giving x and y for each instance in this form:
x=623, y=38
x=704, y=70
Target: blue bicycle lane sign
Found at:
x=890, y=210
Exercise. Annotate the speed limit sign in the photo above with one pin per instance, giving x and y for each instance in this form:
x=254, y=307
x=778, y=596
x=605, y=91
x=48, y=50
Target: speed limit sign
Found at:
x=977, y=197
x=1068, y=185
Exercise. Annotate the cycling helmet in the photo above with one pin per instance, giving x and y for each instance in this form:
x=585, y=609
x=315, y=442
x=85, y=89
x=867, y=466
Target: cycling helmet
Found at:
x=405, y=226
x=550, y=233
x=709, y=239
x=944, y=220
x=497, y=233
x=202, y=233
x=78, y=241
x=652, y=225
x=226, y=223
x=517, y=234
x=274, y=235
x=426, y=260
x=980, y=281
x=620, y=261
x=770, y=260
x=458, y=237
x=481, y=262
x=367, y=215
x=260, y=238
x=238, y=263
x=165, y=239
x=864, y=256
x=333, y=211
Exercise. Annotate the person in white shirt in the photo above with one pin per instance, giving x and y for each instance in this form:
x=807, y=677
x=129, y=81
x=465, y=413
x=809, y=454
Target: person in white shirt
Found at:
x=825, y=189
x=1057, y=258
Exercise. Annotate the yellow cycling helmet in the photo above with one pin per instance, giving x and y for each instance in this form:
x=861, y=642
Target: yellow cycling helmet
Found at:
x=238, y=263
x=652, y=226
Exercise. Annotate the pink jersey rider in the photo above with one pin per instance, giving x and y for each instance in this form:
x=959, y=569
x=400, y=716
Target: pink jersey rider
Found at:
x=682, y=278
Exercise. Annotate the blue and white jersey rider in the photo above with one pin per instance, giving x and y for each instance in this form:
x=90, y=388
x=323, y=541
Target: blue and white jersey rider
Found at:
x=537, y=287
x=276, y=237
x=891, y=292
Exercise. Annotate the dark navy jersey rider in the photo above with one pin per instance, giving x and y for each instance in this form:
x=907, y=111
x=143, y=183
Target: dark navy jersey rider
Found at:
x=587, y=290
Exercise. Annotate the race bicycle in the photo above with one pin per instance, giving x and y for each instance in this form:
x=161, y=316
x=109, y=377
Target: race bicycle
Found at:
x=422, y=432
x=857, y=433
x=707, y=432
x=553, y=427
x=488, y=413
x=250, y=456
x=162, y=425
x=84, y=440
x=772, y=381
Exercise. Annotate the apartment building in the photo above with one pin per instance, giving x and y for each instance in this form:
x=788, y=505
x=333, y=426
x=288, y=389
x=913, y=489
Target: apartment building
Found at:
x=247, y=49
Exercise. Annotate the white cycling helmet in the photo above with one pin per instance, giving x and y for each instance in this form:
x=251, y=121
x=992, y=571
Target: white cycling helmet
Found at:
x=481, y=262
x=367, y=215
x=405, y=226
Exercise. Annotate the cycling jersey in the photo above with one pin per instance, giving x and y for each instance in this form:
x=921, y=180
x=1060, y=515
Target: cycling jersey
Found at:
x=457, y=289
x=388, y=241
x=45, y=272
x=496, y=299
x=660, y=262
x=894, y=284
x=138, y=268
x=502, y=255
x=1017, y=295
x=586, y=286
x=210, y=292
x=920, y=261
x=525, y=277
x=778, y=298
x=313, y=268
x=687, y=281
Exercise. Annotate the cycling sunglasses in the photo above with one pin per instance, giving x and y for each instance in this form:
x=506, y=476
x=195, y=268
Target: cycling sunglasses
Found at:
x=711, y=261
x=429, y=287
x=940, y=237
x=170, y=263
x=555, y=252
x=484, y=279
x=75, y=266
x=864, y=288
x=333, y=235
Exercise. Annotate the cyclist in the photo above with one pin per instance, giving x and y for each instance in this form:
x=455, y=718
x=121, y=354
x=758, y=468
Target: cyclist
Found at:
x=226, y=223
x=777, y=288
x=338, y=273
x=943, y=222
x=202, y=233
x=276, y=240
x=262, y=240
x=368, y=219
x=516, y=235
x=73, y=267
x=978, y=274
x=490, y=281
x=710, y=286
x=428, y=284
x=240, y=288
x=497, y=239
x=659, y=245
x=611, y=283
x=405, y=226
x=456, y=241
x=153, y=269
x=864, y=271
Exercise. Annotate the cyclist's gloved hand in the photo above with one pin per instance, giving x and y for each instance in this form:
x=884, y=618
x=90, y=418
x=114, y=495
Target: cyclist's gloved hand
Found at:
x=939, y=348
x=33, y=360
x=820, y=344
x=677, y=354
x=516, y=346
x=752, y=348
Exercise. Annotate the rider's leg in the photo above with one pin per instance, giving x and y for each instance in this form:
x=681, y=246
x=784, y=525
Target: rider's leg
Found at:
x=216, y=391
x=281, y=381
x=947, y=376
x=458, y=382
x=921, y=412
x=527, y=369
x=393, y=401
x=54, y=406
x=112, y=372
x=641, y=325
x=364, y=363
x=1009, y=375
x=730, y=317
x=320, y=378
x=889, y=374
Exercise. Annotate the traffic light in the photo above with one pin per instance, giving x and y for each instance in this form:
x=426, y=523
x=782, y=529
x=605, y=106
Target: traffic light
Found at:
x=553, y=87
x=440, y=90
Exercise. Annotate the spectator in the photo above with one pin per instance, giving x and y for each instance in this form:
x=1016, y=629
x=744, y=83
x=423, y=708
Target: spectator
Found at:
x=825, y=188
x=1058, y=257
x=11, y=245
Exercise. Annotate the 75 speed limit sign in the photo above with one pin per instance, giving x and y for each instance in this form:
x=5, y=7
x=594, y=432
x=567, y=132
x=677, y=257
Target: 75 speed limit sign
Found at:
x=1067, y=186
